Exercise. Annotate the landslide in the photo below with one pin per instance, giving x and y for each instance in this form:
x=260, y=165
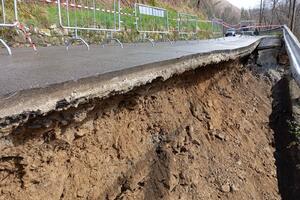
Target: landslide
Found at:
x=201, y=135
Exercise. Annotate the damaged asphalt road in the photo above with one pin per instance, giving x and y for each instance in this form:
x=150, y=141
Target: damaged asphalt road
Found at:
x=26, y=70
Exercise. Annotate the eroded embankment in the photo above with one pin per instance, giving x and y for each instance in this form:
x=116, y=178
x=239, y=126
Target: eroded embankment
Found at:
x=201, y=135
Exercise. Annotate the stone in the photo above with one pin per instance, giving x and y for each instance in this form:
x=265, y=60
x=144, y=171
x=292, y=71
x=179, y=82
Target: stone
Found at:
x=283, y=59
x=191, y=134
x=38, y=40
x=6, y=130
x=281, y=70
x=55, y=41
x=20, y=37
x=15, y=45
x=69, y=135
x=184, y=178
x=190, y=131
x=84, y=129
x=273, y=75
x=47, y=123
x=267, y=58
x=210, y=126
x=80, y=116
x=225, y=188
x=65, y=32
x=173, y=182
x=45, y=32
x=196, y=111
x=80, y=133
x=210, y=103
x=64, y=122
x=53, y=26
x=58, y=32
x=35, y=125
x=220, y=136
x=234, y=188
x=35, y=30
x=244, y=112
x=6, y=142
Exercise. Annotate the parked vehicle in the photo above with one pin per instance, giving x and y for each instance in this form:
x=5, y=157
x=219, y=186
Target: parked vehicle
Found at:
x=245, y=28
x=230, y=33
x=248, y=33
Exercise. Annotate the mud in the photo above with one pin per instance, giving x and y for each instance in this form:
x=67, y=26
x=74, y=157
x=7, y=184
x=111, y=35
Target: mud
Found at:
x=201, y=135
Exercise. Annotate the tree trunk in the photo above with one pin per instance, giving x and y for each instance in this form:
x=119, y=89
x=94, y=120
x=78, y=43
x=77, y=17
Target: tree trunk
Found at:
x=292, y=26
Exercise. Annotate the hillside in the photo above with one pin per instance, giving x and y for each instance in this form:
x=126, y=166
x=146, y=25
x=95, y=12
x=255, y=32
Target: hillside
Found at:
x=41, y=20
x=208, y=8
x=217, y=8
x=222, y=4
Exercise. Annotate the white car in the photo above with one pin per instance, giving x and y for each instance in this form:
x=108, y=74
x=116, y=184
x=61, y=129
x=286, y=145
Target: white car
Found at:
x=230, y=32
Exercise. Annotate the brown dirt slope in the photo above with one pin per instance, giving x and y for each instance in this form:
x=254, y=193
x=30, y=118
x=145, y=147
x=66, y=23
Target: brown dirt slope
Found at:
x=203, y=135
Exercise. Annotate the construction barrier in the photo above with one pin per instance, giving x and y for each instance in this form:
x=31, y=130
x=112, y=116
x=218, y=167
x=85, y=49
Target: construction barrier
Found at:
x=89, y=15
x=11, y=7
x=205, y=26
x=54, y=2
x=187, y=25
x=96, y=15
x=150, y=19
x=217, y=28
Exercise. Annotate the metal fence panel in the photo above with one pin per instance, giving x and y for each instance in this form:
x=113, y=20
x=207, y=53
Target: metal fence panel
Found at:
x=187, y=24
x=89, y=15
x=217, y=28
x=7, y=21
x=205, y=26
x=151, y=19
x=11, y=7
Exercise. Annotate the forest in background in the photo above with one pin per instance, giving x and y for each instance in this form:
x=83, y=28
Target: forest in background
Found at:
x=278, y=12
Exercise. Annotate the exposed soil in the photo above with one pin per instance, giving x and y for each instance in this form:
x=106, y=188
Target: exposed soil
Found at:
x=202, y=135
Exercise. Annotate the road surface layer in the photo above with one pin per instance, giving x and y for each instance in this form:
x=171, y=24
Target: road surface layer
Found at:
x=26, y=70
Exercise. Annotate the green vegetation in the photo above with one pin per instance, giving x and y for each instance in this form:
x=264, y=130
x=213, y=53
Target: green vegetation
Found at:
x=85, y=17
x=43, y=16
x=33, y=14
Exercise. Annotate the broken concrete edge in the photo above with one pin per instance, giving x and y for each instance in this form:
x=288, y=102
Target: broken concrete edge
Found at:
x=26, y=105
x=270, y=42
x=294, y=91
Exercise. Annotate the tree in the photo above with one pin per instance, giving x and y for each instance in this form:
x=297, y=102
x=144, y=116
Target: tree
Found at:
x=261, y=11
x=245, y=14
x=274, y=4
x=293, y=17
